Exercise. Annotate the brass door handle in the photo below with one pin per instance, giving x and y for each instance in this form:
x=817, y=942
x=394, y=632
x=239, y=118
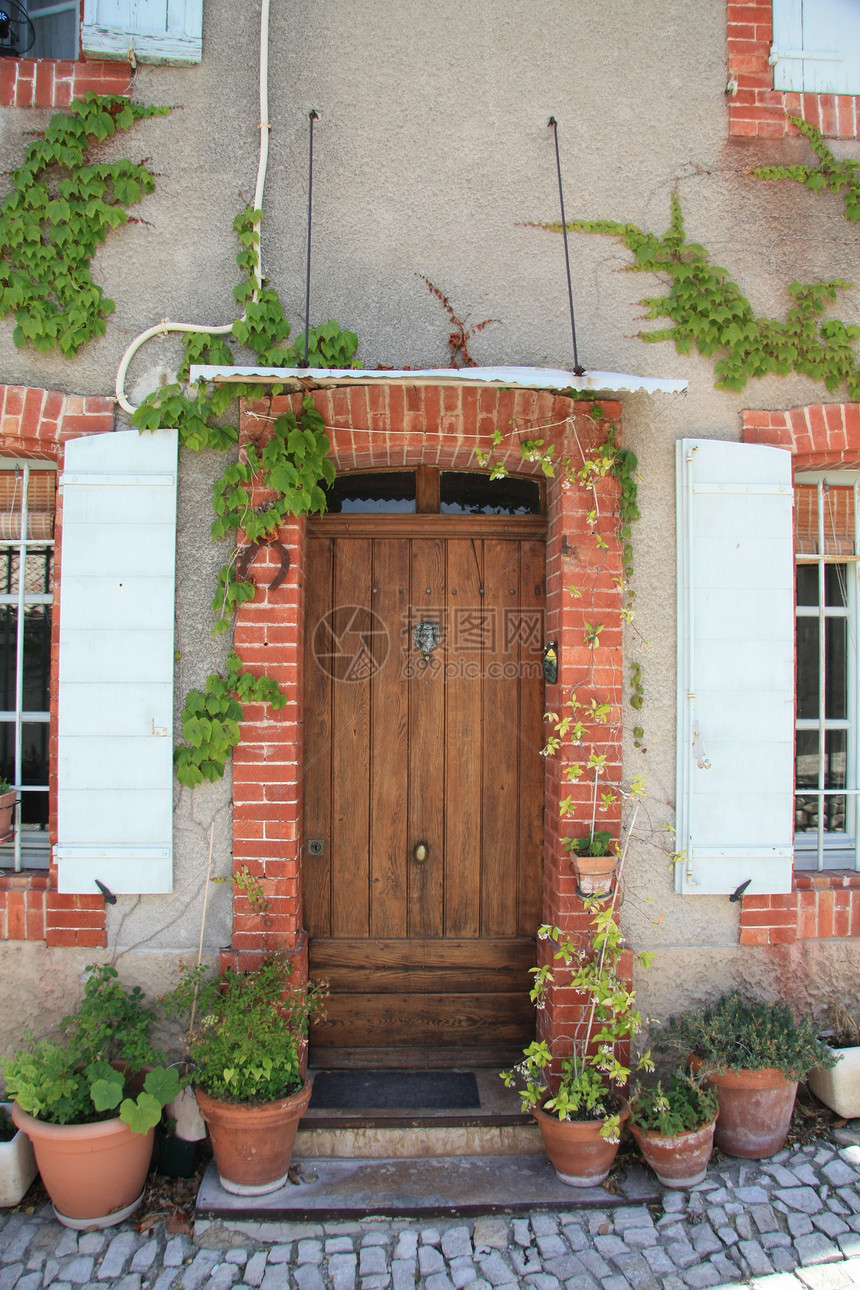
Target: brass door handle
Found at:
x=421, y=851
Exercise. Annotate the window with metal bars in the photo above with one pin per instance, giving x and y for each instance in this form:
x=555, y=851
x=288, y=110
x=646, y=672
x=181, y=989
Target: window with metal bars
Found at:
x=27, y=495
x=827, y=506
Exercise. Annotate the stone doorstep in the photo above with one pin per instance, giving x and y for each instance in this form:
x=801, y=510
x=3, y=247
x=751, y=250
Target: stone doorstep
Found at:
x=455, y=1186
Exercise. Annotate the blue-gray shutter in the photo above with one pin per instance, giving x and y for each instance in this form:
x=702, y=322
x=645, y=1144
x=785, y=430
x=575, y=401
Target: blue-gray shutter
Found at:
x=157, y=31
x=816, y=46
x=115, y=711
x=735, y=773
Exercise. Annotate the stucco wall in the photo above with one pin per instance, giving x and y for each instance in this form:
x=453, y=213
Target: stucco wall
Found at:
x=433, y=155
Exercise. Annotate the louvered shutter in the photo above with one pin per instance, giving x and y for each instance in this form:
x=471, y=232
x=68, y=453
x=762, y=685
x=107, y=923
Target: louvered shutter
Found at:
x=816, y=46
x=735, y=777
x=115, y=712
x=157, y=31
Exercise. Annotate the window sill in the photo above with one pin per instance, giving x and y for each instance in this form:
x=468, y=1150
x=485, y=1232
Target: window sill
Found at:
x=825, y=879
x=54, y=82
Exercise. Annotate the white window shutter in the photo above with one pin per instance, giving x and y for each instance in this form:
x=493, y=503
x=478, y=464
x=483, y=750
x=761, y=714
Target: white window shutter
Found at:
x=816, y=46
x=115, y=713
x=157, y=31
x=735, y=781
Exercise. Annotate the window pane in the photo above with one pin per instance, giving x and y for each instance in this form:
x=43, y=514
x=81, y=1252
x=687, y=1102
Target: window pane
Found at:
x=835, y=771
x=39, y=571
x=472, y=493
x=807, y=669
x=836, y=668
x=56, y=34
x=374, y=493
x=807, y=584
x=836, y=585
x=9, y=562
x=37, y=658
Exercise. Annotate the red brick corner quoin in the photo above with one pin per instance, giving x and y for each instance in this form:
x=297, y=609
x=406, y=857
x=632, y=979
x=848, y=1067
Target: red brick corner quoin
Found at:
x=38, y=424
x=385, y=425
x=826, y=904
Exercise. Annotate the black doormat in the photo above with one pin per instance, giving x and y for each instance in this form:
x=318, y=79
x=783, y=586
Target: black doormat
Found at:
x=395, y=1091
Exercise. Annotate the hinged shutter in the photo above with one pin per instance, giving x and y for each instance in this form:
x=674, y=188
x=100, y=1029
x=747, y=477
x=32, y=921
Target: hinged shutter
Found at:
x=816, y=46
x=115, y=712
x=735, y=815
x=156, y=31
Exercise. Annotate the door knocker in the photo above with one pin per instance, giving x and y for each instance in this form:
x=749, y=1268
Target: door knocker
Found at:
x=426, y=637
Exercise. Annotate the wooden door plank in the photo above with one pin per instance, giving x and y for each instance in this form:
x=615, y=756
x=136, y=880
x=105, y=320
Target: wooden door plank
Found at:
x=443, y=1019
x=500, y=746
x=351, y=739
x=426, y=743
x=467, y=625
x=428, y=980
x=389, y=764
x=316, y=756
x=532, y=635
x=327, y=953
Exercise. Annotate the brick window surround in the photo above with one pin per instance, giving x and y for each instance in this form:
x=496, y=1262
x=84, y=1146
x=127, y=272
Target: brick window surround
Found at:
x=756, y=109
x=38, y=424
x=824, y=904
x=388, y=424
x=54, y=82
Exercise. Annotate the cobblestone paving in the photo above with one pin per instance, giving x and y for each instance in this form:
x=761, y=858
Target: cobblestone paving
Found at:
x=790, y=1223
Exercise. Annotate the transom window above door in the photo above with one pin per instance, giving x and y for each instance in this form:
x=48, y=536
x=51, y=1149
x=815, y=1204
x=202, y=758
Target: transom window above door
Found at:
x=827, y=783
x=428, y=491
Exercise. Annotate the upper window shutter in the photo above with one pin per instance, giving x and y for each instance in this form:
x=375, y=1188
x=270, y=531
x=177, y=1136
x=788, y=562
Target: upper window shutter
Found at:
x=735, y=798
x=115, y=713
x=816, y=46
x=156, y=31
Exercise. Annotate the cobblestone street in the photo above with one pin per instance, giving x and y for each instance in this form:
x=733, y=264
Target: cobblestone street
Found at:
x=790, y=1223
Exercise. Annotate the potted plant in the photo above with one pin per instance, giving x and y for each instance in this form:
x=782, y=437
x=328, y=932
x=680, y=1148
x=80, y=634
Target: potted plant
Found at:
x=245, y=1041
x=753, y=1053
x=838, y=1085
x=89, y=1105
x=595, y=863
x=17, y=1162
x=8, y=797
x=674, y=1128
x=577, y=1100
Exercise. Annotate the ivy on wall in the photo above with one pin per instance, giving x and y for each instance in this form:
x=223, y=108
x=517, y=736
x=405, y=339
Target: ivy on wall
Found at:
x=708, y=309
x=60, y=210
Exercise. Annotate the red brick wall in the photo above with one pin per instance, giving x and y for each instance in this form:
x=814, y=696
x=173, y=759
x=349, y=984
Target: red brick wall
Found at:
x=54, y=82
x=38, y=424
x=440, y=425
x=825, y=904
x=756, y=109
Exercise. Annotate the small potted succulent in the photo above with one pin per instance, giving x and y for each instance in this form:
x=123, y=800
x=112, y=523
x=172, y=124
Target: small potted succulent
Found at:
x=674, y=1128
x=838, y=1085
x=245, y=1044
x=89, y=1100
x=753, y=1053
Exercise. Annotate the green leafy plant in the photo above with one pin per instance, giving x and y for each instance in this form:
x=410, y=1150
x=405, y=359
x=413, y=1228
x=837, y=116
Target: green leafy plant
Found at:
x=829, y=173
x=61, y=209
x=247, y=1029
x=71, y=1080
x=599, y=843
x=735, y=1034
x=682, y=1107
x=210, y=720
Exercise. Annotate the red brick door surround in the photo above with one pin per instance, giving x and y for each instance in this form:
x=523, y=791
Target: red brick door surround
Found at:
x=389, y=425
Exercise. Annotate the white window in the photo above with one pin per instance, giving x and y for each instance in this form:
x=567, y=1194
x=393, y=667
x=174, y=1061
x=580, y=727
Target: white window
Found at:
x=145, y=31
x=27, y=491
x=826, y=553
x=816, y=46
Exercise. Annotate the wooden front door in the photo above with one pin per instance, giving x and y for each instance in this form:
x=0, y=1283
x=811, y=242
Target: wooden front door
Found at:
x=423, y=784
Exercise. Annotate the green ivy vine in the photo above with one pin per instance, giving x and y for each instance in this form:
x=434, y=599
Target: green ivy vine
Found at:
x=289, y=470
x=61, y=208
x=707, y=308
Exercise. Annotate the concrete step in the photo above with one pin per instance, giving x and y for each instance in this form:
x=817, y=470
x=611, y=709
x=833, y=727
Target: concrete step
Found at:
x=497, y=1128
x=455, y=1186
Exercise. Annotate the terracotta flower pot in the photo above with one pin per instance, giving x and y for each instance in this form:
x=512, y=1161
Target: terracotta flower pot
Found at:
x=595, y=875
x=94, y=1173
x=679, y=1161
x=755, y=1111
x=577, y=1152
x=253, y=1144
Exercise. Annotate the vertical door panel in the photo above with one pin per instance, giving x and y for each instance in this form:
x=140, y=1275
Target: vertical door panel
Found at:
x=530, y=631
x=316, y=761
x=426, y=742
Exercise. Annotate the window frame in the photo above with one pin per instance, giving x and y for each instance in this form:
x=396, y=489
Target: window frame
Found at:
x=36, y=850
x=824, y=850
